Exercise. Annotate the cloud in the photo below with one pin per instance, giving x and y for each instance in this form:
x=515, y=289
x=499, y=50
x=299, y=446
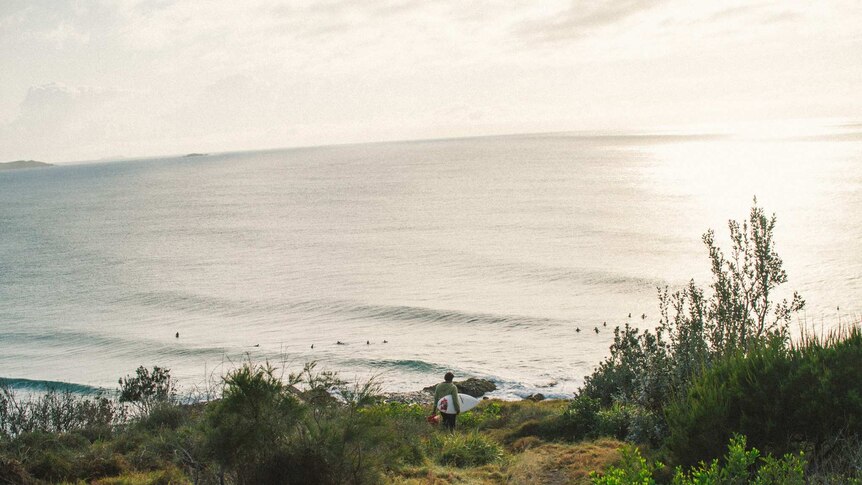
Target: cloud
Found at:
x=223, y=75
x=581, y=18
x=55, y=117
x=752, y=13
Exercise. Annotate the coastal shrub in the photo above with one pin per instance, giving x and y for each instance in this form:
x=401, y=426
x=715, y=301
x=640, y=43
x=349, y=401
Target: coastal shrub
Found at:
x=740, y=314
x=511, y=421
x=581, y=418
x=586, y=418
x=402, y=429
x=58, y=457
x=359, y=438
x=744, y=466
x=839, y=461
x=12, y=471
x=634, y=469
x=56, y=412
x=397, y=410
x=780, y=397
x=512, y=414
x=164, y=415
x=252, y=422
x=465, y=450
x=264, y=430
x=51, y=465
x=480, y=416
x=739, y=465
x=147, y=388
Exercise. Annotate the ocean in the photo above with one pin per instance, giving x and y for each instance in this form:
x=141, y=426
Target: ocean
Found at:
x=478, y=255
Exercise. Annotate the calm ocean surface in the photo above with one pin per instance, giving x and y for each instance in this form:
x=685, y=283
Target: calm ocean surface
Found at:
x=478, y=255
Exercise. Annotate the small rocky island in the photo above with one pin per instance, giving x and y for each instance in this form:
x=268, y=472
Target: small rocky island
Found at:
x=20, y=164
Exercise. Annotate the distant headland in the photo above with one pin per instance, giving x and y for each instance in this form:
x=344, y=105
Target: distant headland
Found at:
x=19, y=164
x=196, y=155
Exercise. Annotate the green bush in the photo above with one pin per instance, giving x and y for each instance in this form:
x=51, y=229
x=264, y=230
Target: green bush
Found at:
x=266, y=431
x=56, y=412
x=634, y=470
x=12, y=471
x=465, y=450
x=741, y=466
x=164, y=415
x=646, y=371
x=147, y=389
x=481, y=416
x=252, y=422
x=401, y=428
x=781, y=398
x=581, y=419
x=396, y=410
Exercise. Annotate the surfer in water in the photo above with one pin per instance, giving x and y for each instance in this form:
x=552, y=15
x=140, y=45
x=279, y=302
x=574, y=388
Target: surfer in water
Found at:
x=447, y=388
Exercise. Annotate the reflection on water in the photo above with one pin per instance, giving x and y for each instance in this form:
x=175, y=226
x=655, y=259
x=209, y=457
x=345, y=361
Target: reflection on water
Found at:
x=479, y=255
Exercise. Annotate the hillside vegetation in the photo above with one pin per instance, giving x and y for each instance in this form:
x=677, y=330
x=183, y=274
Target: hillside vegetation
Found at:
x=717, y=393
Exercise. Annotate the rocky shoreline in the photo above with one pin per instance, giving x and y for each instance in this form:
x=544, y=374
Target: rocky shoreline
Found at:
x=473, y=386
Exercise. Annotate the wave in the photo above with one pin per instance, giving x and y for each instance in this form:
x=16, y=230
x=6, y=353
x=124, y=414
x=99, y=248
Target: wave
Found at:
x=71, y=340
x=189, y=302
x=543, y=273
x=404, y=313
x=18, y=384
x=348, y=309
x=407, y=365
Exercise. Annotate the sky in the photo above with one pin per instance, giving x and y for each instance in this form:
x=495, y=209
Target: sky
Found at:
x=88, y=80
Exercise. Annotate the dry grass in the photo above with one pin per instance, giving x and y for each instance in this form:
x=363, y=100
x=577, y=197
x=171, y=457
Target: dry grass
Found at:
x=557, y=463
x=437, y=475
x=169, y=476
x=529, y=459
x=533, y=462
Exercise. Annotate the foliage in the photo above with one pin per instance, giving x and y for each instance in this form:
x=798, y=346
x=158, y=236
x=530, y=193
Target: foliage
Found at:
x=396, y=411
x=581, y=419
x=649, y=369
x=147, y=389
x=465, y=450
x=634, y=470
x=264, y=430
x=585, y=418
x=250, y=425
x=55, y=412
x=168, y=476
x=741, y=466
x=480, y=417
x=780, y=397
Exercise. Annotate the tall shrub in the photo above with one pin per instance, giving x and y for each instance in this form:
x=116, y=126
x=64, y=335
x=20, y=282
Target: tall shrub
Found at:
x=252, y=422
x=782, y=398
x=696, y=327
x=147, y=389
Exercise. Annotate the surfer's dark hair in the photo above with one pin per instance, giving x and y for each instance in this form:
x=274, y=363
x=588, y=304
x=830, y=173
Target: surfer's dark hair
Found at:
x=449, y=376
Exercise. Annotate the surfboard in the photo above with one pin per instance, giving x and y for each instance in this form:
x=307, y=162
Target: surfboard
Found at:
x=467, y=402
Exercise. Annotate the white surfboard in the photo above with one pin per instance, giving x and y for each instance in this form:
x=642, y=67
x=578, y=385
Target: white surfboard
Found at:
x=467, y=402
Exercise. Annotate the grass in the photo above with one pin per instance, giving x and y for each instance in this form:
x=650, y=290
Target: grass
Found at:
x=541, y=463
x=558, y=463
x=499, y=442
x=169, y=476
x=530, y=458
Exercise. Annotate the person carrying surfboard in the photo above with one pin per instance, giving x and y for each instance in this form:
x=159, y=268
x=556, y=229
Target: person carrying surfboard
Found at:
x=447, y=388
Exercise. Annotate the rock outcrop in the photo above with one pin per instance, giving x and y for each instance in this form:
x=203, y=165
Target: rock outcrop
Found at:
x=472, y=387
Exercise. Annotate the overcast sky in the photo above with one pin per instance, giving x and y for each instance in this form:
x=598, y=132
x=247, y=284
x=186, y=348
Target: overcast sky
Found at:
x=86, y=80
